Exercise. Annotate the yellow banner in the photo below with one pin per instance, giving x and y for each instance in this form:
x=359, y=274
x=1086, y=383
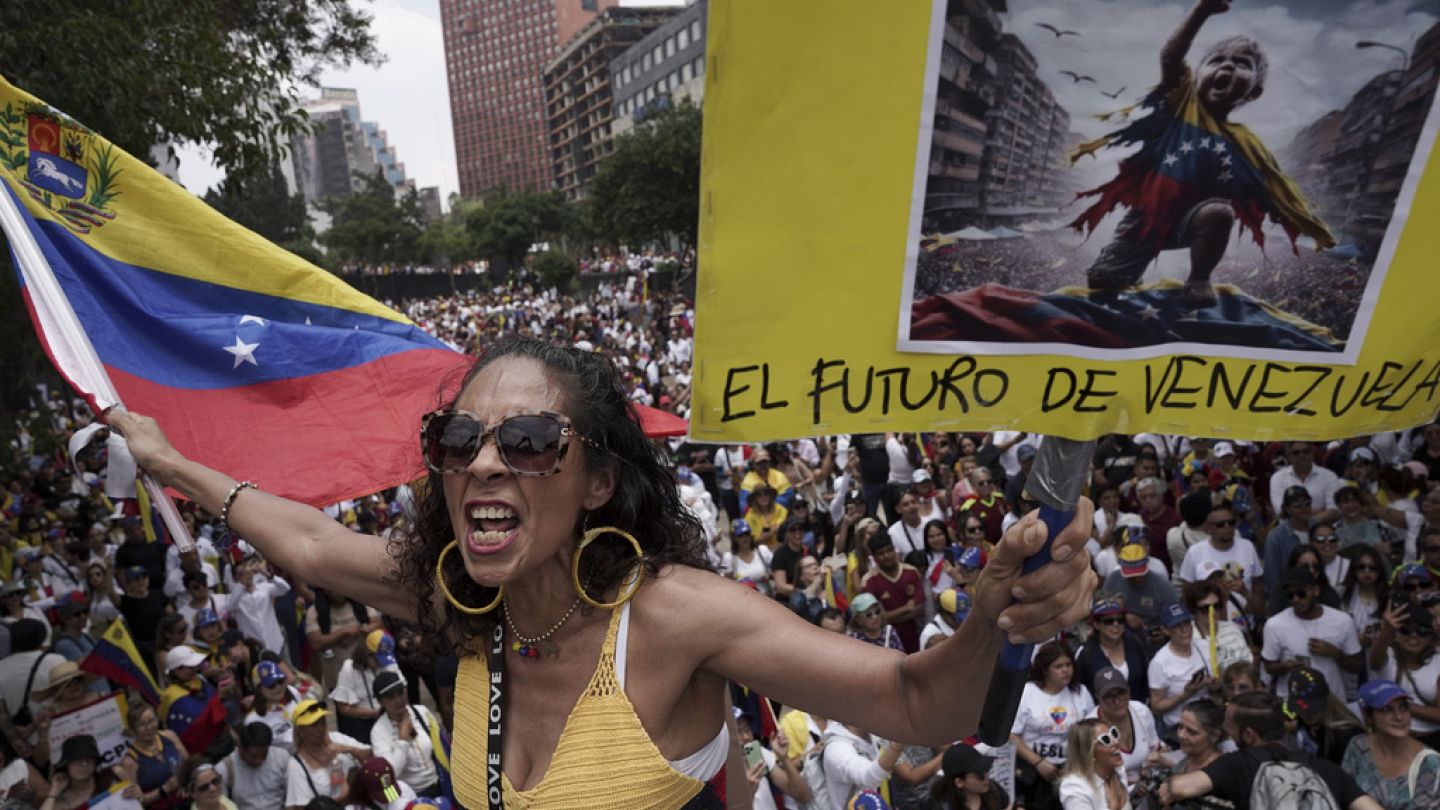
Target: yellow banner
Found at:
x=918, y=216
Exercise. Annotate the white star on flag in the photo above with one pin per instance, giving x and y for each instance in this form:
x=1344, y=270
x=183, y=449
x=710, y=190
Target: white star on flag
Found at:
x=244, y=352
x=1204, y=143
x=1225, y=161
x=1219, y=146
x=1226, y=177
x=1186, y=148
x=307, y=320
x=1149, y=312
x=244, y=319
x=1171, y=159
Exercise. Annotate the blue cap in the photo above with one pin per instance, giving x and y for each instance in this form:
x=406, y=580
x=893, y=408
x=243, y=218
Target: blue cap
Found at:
x=867, y=800
x=1378, y=694
x=1412, y=570
x=739, y=526
x=1175, y=615
x=268, y=673
x=205, y=617
x=135, y=572
x=972, y=558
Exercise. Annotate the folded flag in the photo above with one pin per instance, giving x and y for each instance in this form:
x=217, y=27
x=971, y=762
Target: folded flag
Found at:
x=254, y=361
x=116, y=658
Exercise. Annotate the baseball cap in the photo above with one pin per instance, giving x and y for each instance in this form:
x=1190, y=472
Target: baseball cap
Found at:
x=72, y=604
x=1206, y=569
x=961, y=759
x=1410, y=571
x=268, y=673
x=183, y=656
x=1379, y=693
x=1298, y=576
x=920, y=476
x=739, y=526
x=955, y=602
x=308, y=713
x=12, y=587
x=134, y=572
x=862, y=603
x=1224, y=449
x=972, y=558
x=382, y=644
x=1295, y=493
x=1175, y=615
x=759, y=455
x=1363, y=453
x=386, y=682
x=1308, y=690
x=867, y=799
x=376, y=781
x=1107, y=603
x=1108, y=680
x=206, y=616
x=1134, y=560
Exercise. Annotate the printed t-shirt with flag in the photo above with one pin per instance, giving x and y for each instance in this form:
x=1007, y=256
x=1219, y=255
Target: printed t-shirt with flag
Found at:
x=254, y=361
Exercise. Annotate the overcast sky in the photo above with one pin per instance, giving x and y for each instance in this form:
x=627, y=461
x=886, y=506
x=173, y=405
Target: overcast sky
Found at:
x=407, y=95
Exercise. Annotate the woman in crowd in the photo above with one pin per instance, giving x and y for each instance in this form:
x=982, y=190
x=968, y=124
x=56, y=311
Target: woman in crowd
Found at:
x=964, y=782
x=104, y=599
x=1356, y=526
x=152, y=759
x=1404, y=652
x=857, y=562
x=405, y=735
x=1393, y=767
x=867, y=623
x=77, y=777
x=1138, y=736
x=1094, y=777
x=354, y=693
x=69, y=688
x=934, y=562
x=746, y=562
x=1051, y=704
x=802, y=478
x=1308, y=558
x=1231, y=643
x=765, y=515
x=545, y=495
x=1364, y=593
x=323, y=760
x=1112, y=644
x=202, y=785
x=1292, y=530
x=1239, y=678
x=174, y=632
x=1327, y=545
x=274, y=700
x=335, y=626
x=972, y=531
x=1180, y=671
x=1201, y=732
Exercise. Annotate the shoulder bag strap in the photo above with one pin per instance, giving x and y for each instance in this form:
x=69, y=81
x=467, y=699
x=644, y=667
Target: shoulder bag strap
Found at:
x=306, y=770
x=1413, y=777
x=30, y=681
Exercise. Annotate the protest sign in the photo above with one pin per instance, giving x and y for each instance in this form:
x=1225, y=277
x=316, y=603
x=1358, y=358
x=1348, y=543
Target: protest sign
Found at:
x=104, y=720
x=113, y=799
x=987, y=215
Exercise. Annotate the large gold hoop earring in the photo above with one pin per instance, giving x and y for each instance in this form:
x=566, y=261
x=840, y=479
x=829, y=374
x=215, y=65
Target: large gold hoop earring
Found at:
x=628, y=587
x=449, y=597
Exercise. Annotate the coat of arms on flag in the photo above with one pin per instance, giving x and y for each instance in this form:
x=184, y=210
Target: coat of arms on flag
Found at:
x=64, y=167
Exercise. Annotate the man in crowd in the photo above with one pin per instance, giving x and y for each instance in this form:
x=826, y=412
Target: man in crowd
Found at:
x=900, y=590
x=1309, y=635
x=1302, y=471
x=1231, y=552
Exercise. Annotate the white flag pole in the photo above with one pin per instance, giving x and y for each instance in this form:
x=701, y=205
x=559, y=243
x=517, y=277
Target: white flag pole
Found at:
x=70, y=345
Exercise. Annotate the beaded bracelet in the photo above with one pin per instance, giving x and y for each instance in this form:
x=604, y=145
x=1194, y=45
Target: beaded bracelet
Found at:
x=230, y=501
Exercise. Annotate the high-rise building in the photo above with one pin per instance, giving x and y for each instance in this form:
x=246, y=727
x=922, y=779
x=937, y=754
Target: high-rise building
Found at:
x=325, y=163
x=666, y=67
x=496, y=52
x=1025, y=168
x=578, y=92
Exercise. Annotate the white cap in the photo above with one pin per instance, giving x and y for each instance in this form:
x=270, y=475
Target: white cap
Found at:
x=1224, y=449
x=183, y=656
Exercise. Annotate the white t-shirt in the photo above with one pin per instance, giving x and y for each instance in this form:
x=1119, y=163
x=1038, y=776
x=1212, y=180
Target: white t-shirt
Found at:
x=1170, y=672
x=1320, y=483
x=1078, y=794
x=901, y=470
x=1419, y=685
x=328, y=781
x=1240, y=559
x=935, y=627
x=254, y=611
x=1288, y=636
x=12, y=775
x=906, y=538
x=354, y=686
x=1147, y=738
x=1010, y=459
x=1336, y=570
x=413, y=760
x=261, y=788
x=758, y=569
x=1044, y=720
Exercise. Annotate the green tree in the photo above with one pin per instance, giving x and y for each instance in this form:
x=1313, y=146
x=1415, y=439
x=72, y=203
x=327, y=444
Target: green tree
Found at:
x=556, y=269
x=265, y=205
x=649, y=186
x=371, y=225
x=225, y=72
x=444, y=243
x=506, y=225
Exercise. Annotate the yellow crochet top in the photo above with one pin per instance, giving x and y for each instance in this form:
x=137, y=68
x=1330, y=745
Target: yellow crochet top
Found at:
x=604, y=760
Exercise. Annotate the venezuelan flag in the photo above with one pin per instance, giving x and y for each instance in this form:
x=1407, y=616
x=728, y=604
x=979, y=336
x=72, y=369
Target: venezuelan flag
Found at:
x=116, y=658
x=254, y=361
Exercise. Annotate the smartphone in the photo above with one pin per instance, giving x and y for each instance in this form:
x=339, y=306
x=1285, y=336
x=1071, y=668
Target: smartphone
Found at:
x=753, y=754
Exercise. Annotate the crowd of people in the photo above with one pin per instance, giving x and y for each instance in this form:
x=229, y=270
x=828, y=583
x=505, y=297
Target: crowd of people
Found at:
x=1258, y=603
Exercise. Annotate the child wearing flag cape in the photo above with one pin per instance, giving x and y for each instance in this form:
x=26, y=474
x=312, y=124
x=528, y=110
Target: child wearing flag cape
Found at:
x=1196, y=172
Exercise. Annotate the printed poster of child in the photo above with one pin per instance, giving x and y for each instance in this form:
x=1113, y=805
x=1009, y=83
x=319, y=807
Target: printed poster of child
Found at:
x=1116, y=179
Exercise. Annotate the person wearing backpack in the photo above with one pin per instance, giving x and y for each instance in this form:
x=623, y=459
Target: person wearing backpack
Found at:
x=1264, y=774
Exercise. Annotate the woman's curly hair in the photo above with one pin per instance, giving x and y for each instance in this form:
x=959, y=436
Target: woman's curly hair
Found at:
x=645, y=502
